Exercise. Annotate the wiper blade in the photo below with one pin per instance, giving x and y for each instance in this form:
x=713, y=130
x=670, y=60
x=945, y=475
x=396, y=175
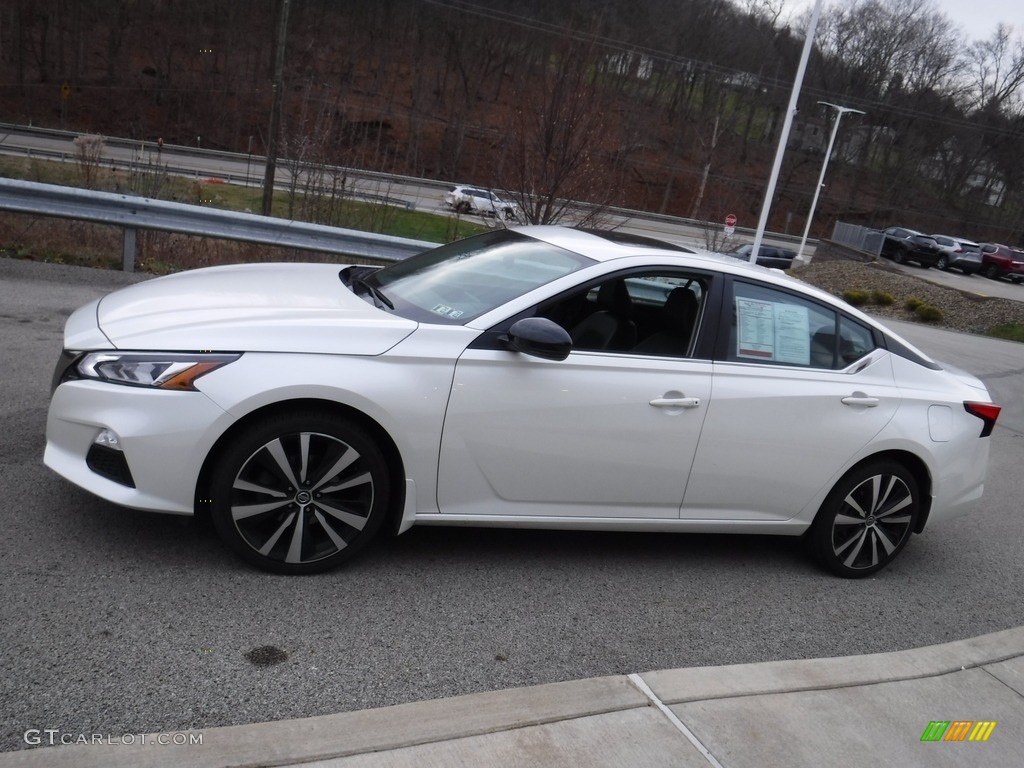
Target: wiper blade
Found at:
x=378, y=295
x=354, y=278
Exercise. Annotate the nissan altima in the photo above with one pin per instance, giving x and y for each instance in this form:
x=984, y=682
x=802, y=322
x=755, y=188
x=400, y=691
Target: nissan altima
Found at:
x=536, y=377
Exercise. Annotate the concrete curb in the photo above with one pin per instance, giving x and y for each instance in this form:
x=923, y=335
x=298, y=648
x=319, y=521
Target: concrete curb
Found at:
x=593, y=708
x=707, y=683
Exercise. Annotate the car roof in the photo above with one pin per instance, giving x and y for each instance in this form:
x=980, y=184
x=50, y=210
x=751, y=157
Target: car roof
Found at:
x=603, y=247
x=600, y=245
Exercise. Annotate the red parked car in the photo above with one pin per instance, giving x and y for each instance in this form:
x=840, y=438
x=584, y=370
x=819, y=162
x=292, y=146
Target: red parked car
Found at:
x=1002, y=261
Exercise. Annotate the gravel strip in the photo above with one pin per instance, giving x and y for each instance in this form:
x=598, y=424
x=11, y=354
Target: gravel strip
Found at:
x=961, y=311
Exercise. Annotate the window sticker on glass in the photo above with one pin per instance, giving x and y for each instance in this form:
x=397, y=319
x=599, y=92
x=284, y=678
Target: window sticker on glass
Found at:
x=773, y=332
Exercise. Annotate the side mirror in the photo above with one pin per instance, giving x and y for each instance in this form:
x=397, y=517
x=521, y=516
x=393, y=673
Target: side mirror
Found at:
x=540, y=337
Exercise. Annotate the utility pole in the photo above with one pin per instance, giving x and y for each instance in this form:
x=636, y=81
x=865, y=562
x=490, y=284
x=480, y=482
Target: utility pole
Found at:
x=840, y=111
x=275, y=112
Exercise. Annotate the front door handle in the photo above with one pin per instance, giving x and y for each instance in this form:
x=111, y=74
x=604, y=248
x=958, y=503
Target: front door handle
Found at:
x=675, y=402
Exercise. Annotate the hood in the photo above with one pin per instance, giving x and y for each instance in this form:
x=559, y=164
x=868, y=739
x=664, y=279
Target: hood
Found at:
x=250, y=308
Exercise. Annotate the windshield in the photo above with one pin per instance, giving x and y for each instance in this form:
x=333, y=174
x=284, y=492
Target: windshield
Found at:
x=460, y=281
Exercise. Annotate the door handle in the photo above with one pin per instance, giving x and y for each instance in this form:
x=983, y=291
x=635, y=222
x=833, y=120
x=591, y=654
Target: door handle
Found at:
x=675, y=402
x=859, y=398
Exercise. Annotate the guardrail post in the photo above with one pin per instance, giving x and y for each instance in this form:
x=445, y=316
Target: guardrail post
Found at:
x=128, y=250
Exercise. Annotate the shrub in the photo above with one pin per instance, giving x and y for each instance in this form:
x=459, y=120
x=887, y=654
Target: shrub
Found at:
x=913, y=303
x=1011, y=331
x=856, y=297
x=882, y=298
x=928, y=313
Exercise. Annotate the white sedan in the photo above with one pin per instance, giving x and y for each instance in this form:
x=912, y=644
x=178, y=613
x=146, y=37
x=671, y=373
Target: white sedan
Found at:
x=536, y=377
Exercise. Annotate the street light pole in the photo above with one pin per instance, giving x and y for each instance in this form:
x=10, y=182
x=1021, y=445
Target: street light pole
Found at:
x=840, y=111
x=780, y=151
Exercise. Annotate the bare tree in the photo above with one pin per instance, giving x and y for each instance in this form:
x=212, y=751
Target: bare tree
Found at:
x=562, y=124
x=88, y=154
x=996, y=71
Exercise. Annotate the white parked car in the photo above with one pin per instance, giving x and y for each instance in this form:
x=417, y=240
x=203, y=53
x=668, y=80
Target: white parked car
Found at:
x=536, y=377
x=482, y=202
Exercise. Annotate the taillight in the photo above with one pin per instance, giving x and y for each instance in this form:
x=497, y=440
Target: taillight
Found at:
x=987, y=412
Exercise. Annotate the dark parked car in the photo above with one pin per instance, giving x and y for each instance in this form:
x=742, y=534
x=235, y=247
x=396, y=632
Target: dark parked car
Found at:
x=1002, y=261
x=902, y=245
x=767, y=255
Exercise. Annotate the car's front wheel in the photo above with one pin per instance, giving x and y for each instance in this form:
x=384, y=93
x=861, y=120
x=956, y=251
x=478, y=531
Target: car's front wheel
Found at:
x=866, y=520
x=300, y=492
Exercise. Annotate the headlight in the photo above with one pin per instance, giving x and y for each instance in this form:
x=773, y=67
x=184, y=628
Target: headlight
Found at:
x=160, y=370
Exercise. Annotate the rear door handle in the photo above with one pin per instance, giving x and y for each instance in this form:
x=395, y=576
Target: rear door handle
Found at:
x=675, y=402
x=859, y=398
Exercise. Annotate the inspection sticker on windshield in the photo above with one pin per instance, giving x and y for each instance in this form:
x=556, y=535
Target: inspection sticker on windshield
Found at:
x=444, y=309
x=768, y=330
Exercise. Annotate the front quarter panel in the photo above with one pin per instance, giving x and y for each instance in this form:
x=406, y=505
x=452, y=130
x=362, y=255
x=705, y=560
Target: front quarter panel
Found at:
x=404, y=391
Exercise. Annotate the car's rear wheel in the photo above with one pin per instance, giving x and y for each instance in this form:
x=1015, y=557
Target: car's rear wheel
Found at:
x=866, y=520
x=300, y=492
x=898, y=256
x=942, y=263
x=991, y=271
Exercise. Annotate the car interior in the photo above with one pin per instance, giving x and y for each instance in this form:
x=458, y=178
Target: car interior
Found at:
x=647, y=314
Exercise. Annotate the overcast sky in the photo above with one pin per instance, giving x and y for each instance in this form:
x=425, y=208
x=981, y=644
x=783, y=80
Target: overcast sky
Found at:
x=978, y=18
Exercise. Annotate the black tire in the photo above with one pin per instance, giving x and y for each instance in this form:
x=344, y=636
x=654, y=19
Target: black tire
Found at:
x=462, y=207
x=898, y=256
x=300, y=492
x=991, y=271
x=942, y=263
x=866, y=520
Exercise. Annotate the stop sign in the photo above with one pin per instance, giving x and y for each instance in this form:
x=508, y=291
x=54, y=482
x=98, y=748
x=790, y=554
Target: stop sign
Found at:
x=730, y=220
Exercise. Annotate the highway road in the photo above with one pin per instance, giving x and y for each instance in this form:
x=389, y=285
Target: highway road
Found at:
x=115, y=622
x=419, y=194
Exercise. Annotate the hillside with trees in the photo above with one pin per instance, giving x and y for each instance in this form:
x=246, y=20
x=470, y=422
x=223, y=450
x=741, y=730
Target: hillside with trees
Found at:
x=673, y=107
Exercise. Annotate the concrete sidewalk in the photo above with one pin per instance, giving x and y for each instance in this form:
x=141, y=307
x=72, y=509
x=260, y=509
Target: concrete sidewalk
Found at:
x=849, y=712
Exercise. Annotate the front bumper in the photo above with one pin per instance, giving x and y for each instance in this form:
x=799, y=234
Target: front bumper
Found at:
x=164, y=436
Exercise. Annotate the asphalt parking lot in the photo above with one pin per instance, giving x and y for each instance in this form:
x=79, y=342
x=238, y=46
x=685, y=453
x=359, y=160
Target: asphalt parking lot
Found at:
x=118, y=622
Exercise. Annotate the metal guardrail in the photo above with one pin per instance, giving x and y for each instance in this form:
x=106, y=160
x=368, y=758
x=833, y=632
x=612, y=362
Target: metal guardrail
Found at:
x=134, y=213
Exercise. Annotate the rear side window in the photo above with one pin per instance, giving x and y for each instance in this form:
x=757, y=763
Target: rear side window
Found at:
x=774, y=327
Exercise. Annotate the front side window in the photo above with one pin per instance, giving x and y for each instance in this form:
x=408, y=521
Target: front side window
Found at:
x=646, y=313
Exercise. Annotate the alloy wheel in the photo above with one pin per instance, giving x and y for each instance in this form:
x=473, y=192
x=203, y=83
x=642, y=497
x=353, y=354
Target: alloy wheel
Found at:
x=300, y=492
x=302, y=497
x=873, y=523
x=866, y=520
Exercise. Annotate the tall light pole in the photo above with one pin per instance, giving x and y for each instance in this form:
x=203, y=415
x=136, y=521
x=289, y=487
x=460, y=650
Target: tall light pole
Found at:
x=840, y=111
x=275, y=113
x=766, y=206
